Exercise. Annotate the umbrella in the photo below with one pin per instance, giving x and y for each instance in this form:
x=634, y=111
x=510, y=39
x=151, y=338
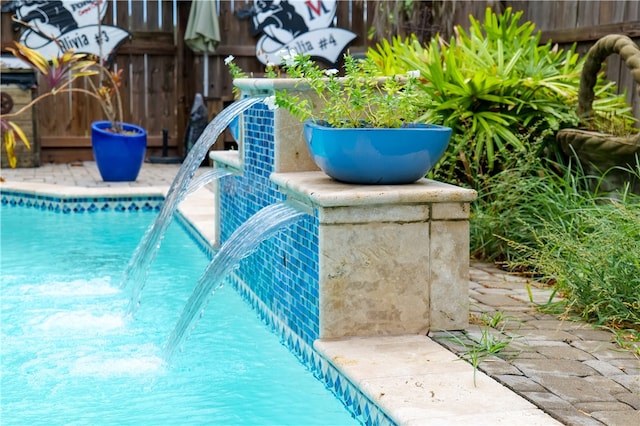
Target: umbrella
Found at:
x=203, y=32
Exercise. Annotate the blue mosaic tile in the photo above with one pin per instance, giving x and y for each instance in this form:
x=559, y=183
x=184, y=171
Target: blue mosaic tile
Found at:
x=290, y=259
x=68, y=205
x=361, y=407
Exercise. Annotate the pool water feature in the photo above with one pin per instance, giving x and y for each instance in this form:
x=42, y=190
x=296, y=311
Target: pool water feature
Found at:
x=71, y=355
x=369, y=260
x=261, y=226
x=137, y=270
x=202, y=180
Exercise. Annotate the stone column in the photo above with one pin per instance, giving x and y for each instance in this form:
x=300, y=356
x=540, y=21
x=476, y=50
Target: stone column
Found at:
x=392, y=259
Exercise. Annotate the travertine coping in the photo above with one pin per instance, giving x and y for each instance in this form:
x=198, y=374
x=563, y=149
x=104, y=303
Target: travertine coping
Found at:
x=64, y=191
x=418, y=383
x=261, y=86
x=227, y=159
x=322, y=191
x=266, y=85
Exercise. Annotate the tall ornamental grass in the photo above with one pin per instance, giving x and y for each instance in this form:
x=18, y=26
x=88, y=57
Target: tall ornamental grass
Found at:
x=545, y=221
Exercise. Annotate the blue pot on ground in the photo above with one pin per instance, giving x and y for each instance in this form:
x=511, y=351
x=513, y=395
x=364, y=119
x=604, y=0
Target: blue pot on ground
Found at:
x=376, y=156
x=119, y=156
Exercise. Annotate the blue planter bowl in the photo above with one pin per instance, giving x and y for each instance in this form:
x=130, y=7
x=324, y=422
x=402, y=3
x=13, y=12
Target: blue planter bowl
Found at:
x=374, y=156
x=119, y=156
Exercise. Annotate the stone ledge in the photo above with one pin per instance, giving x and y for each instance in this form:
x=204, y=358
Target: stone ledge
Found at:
x=227, y=159
x=323, y=191
x=416, y=382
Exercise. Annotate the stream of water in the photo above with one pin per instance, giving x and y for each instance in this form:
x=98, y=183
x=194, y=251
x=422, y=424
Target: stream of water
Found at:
x=259, y=227
x=137, y=271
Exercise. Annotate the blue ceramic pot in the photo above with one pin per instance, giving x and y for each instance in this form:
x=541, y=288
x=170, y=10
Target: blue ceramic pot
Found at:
x=376, y=156
x=119, y=156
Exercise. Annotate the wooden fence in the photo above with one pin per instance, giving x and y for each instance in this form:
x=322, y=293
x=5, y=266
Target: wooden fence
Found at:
x=152, y=89
x=583, y=23
x=162, y=75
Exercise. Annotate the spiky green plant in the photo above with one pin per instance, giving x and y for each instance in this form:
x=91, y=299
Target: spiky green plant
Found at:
x=503, y=93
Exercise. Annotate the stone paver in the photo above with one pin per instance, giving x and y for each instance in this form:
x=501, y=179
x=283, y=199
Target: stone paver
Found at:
x=86, y=174
x=570, y=370
x=574, y=372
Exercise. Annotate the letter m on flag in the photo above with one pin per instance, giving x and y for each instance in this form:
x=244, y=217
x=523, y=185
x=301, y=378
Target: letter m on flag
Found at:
x=315, y=9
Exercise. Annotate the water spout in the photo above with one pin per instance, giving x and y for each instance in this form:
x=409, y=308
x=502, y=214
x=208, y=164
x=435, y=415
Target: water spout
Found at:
x=259, y=227
x=137, y=271
x=202, y=180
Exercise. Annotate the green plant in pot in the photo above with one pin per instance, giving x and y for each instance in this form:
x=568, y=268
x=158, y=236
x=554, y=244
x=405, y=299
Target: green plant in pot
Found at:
x=359, y=128
x=118, y=147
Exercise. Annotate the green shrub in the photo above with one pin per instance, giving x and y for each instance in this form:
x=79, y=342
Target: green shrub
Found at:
x=503, y=93
x=594, y=259
x=541, y=218
x=505, y=96
x=513, y=205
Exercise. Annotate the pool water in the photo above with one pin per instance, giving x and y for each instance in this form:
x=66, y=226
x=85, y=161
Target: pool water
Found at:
x=70, y=355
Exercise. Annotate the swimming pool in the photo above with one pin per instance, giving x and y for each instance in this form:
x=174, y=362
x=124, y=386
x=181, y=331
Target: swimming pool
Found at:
x=69, y=355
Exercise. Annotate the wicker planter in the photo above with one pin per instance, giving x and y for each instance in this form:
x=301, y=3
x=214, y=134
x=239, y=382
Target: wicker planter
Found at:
x=597, y=152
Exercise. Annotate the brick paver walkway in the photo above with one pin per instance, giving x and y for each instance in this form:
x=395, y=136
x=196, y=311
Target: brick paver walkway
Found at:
x=569, y=369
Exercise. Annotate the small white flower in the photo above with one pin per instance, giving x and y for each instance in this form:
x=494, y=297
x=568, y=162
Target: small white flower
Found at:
x=270, y=102
x=228, y=59
x=289, y=58
x=270, y=65
x=331, y=72
x=413, y=74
